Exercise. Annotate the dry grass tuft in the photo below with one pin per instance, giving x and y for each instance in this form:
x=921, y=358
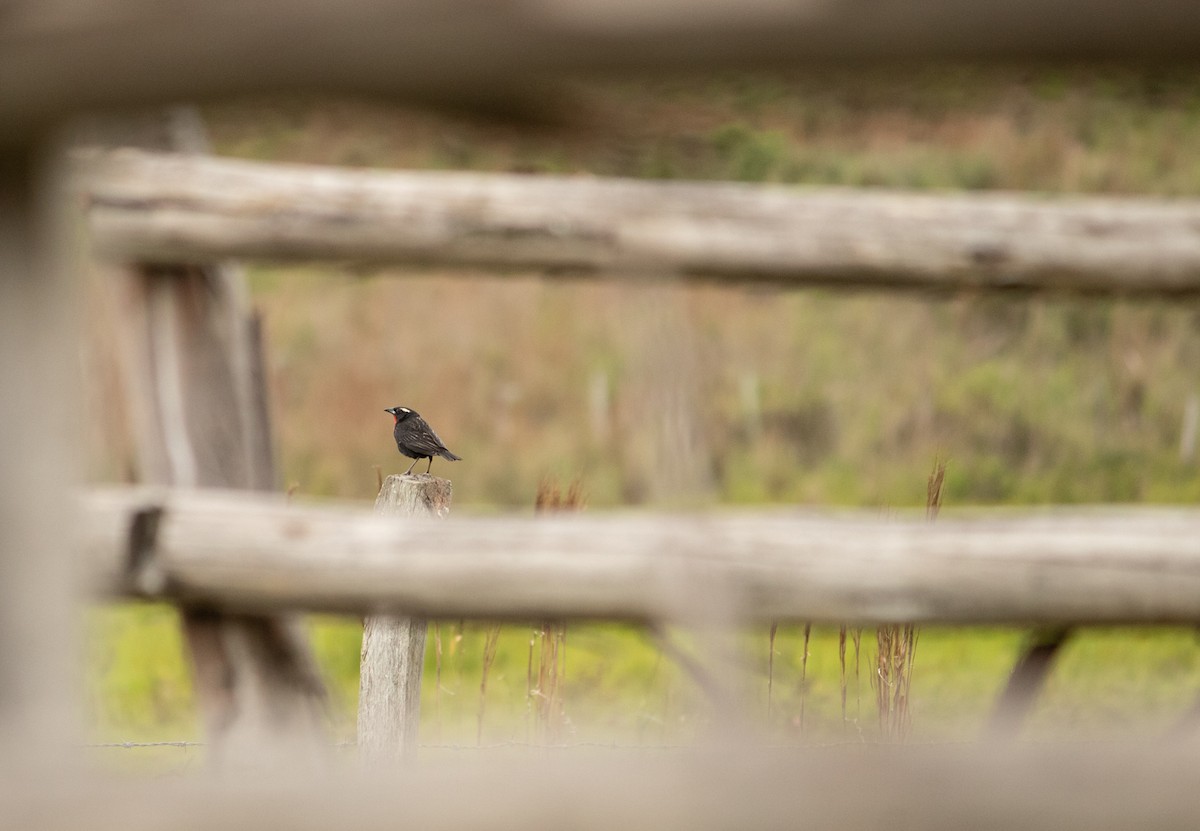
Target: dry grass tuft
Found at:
x=491, y=642
x=897, y=643
x=547, y=648
x=550, y=497
x=933, y=490
x=771, y=667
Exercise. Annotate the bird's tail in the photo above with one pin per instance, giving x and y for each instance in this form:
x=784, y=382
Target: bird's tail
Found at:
x=448, y=456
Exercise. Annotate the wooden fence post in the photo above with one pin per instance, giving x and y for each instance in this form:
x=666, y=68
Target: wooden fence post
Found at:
x=1027, y=680
x=39, y=425
x=193, y=373
x=393, y=648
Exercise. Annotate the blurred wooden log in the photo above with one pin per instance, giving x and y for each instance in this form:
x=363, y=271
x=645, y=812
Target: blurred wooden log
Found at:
x=238, y=550
x=40, y=432
x=165, y=208
x=61, y=56
x=193, y=371
x=393, y=648
x=1083, y=787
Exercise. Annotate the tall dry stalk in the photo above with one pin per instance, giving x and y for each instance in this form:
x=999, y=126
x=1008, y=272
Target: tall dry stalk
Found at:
x=444, y=649
x=847, y=634
x=856, y=638
x=546, y=693
x=804, y=675
x=842, y=665
x=491, y=640
x=933, y=490
x=771, y=666
x=546, y=669
x=437, y=678
x=897, y=643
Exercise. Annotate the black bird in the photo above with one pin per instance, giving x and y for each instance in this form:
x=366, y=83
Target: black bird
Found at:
x=416, y=439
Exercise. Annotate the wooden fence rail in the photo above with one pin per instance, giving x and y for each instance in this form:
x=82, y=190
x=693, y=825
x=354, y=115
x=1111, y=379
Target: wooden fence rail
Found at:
x=256, y=552
x=173, y=208
x=1148, y=787
x=62, y=56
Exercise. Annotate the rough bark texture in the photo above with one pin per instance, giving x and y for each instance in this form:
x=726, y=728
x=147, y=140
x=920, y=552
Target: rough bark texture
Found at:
x=393, y=648
x=181, y=209
x=193, y=371
x=1111, y=565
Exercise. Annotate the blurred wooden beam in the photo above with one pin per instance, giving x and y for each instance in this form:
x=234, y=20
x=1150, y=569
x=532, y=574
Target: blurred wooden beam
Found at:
x=1104, y=787
x=242, y=550
x=39, y=464
x=174, y=208
x=60, y=56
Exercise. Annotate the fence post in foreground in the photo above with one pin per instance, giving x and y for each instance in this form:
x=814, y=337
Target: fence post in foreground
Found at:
x=39, y=414
x=393, y=648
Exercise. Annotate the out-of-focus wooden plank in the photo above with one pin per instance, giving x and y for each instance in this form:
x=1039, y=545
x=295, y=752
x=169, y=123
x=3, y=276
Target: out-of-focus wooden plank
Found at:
x=58, y=56
x=39, y=467
x=854, y=788
x=1103, y=565
x=165, y=208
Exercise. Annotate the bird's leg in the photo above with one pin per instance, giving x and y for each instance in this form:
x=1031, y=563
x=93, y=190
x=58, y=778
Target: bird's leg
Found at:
x=410, y=467
x=430, y=464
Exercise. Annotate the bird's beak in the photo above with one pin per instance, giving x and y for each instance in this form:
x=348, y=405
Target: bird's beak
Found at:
x=390, y=410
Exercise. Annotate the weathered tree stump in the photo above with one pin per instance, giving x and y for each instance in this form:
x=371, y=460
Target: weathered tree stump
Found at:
x=393, y=648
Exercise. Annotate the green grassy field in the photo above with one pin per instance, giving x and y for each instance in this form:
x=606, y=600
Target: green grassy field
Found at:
x=1031, y=400
x=619, y=687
